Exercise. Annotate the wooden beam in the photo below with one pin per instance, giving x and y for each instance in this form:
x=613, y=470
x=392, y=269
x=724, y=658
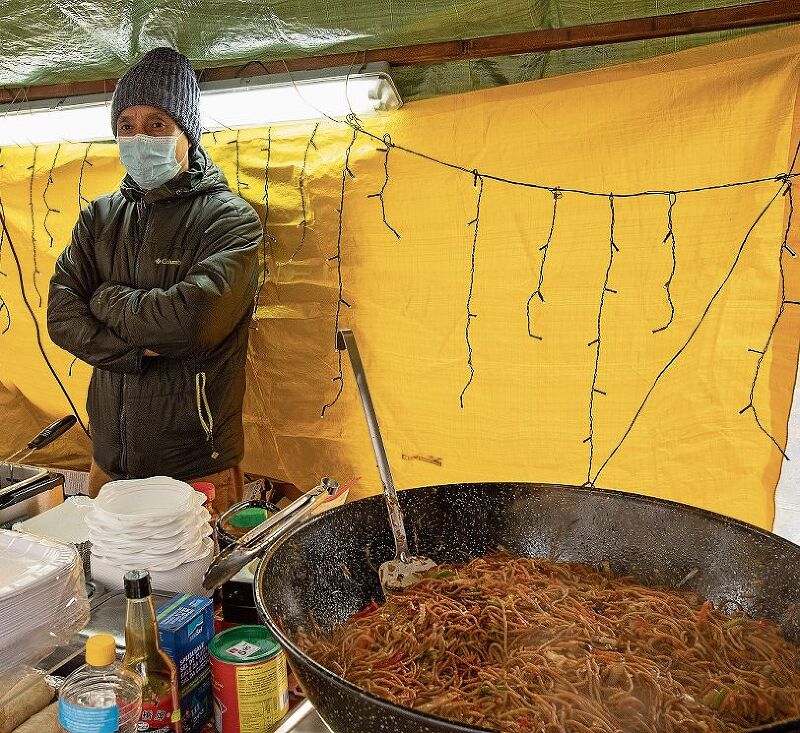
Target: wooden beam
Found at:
x=767, y=12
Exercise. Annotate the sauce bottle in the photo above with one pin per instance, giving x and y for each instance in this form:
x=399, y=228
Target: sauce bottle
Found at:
x=161, y=710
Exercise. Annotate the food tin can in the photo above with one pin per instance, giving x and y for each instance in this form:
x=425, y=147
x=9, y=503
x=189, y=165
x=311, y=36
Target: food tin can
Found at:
x=248, y=671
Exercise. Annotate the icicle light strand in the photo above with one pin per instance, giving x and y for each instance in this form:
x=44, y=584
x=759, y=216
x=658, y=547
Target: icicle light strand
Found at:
x=337, y=258
x=381, y=195
x=750, y=406
x=670, y=237
x=538, y=294
x=690, y=338
x=598, y=340
x=49, y=209
x=267, y=240
x=81, y=198
x=477, y=182
x=35, y=258
x=301, y=183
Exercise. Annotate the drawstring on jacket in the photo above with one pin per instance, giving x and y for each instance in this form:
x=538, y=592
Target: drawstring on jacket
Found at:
x=204, y=411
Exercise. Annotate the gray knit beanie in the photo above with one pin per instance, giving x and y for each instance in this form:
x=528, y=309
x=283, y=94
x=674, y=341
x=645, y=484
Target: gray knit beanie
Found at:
x=165, y=79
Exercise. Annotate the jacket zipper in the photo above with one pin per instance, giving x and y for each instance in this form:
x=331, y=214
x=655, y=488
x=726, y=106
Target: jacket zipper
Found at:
x=122, y=429
x=123, y=461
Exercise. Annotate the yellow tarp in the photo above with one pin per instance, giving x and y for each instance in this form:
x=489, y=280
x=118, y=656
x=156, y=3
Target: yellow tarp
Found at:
x=709, y=116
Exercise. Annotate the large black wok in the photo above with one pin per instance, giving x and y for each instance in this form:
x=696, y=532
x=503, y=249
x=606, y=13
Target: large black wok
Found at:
x=303, y=576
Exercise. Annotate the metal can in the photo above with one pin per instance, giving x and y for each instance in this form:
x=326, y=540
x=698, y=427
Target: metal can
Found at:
x=248, y=672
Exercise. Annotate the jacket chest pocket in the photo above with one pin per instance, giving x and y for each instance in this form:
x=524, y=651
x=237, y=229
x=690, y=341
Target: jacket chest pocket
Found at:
x=163, y=263
x=173, y=251
x=147, y=272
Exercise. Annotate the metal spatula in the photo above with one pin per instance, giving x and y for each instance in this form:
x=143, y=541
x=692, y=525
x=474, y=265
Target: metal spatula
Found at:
x=405, y=569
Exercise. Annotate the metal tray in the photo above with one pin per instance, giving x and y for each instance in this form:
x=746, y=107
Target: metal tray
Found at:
x=108, y=615
x=38, y=493
x=15, y=476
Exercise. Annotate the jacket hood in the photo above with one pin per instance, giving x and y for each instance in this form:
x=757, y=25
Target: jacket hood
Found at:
x=202, y=176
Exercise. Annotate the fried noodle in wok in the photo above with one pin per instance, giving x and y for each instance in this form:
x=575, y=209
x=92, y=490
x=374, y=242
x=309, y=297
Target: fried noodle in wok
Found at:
x=522, y=645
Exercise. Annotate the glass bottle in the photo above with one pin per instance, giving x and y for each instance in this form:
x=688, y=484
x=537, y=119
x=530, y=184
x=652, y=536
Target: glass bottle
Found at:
x=161, y=711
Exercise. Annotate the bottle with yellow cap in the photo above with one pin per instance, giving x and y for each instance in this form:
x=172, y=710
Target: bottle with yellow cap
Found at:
x=102, y=696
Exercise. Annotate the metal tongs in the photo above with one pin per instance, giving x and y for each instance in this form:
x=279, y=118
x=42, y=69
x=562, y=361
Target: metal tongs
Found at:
x=251, y=545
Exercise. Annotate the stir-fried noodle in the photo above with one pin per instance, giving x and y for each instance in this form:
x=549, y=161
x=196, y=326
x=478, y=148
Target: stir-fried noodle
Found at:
x=523, y=645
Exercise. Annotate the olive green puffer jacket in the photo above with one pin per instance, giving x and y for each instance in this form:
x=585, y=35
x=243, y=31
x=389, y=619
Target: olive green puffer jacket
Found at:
x=173, y=270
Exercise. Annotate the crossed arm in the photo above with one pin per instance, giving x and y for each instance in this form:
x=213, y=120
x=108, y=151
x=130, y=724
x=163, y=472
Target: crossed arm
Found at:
x=115, y=327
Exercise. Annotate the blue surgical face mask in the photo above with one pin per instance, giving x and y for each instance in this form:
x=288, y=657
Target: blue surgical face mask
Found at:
x=149, y=160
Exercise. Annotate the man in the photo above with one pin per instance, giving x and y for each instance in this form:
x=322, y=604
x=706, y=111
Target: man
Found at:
x=156, y=291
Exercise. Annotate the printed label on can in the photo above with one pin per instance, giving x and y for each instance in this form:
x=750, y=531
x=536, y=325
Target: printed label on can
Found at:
x=262, y=695
x=243, y=650
x=159, y=716
x=250, y=698
x=77, y=719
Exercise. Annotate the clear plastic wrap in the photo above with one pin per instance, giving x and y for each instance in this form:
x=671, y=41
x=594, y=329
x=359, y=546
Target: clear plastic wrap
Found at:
x=43, y=600
x=45, y=43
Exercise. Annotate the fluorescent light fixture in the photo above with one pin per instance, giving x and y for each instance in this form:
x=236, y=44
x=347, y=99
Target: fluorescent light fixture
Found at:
x=263, y=100
x=86, y=119
x=229, y=104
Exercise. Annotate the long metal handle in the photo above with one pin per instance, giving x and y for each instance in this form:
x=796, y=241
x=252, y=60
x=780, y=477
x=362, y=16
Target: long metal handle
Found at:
x=346, y=341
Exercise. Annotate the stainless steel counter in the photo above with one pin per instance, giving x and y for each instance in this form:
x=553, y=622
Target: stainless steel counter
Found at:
x=303, y=719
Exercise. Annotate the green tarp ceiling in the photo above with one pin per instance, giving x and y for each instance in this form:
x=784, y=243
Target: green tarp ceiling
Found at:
x=57, y=41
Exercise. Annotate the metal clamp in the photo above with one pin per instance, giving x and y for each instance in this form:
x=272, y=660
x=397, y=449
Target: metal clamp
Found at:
x=255, y=542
